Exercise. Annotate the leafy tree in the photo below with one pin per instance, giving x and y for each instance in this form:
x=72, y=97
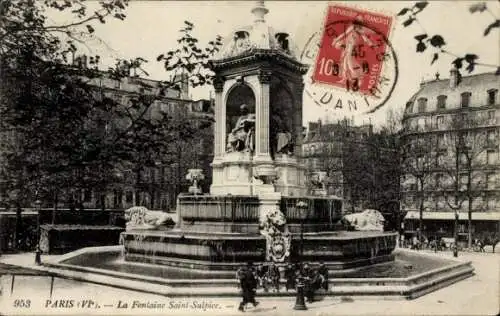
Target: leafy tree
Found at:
x=464, y=167
x=363, y=167
x=426, y=40
x=70, y=135
x=418, y=161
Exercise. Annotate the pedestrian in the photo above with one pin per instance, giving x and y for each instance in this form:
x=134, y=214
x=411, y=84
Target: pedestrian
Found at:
x=323, y=272
x=290, y=277
x=307, y=275
x=240, y=275
x=38, y=255
x=274, y=276
x=262, y=276
x=306, y=269
x=248, y=283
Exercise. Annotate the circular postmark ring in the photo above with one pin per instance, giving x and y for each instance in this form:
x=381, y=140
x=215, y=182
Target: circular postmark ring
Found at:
x=388, y=52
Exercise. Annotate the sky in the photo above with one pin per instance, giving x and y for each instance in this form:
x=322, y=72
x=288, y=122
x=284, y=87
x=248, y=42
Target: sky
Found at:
x=151, y=28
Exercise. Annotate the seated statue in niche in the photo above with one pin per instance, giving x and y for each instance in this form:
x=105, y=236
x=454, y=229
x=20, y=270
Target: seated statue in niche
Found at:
x=283, y=141
x=242, y=136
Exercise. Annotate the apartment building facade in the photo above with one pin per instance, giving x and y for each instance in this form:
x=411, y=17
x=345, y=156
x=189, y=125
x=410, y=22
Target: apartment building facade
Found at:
x=455, y=124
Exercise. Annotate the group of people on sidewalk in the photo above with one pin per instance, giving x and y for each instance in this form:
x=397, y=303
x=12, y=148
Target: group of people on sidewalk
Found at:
x=267, y=277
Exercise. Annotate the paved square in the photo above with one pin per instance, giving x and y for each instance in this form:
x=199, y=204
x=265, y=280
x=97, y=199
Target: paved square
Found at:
x=477, y=295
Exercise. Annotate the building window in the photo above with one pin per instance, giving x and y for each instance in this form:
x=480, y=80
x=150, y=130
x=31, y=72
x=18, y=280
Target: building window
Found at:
x=463, y=159
x=465, y=99
x=420, y=161
x=409, y=107
x=440, y=140
x=410, y=200
x=129, y=196
x=440, y=159
x=490, y=181
x=490, y=203
x=441, y=102
x=164, y=107
x=492, y=96
x=440, y=202
x=422, y=104
x=463, y=182
x=87, y=195
x=491, y=157
x=439, y=121
x=439, y=180
x=117, y=84
x=117, y=97
x=491, y=137
x=421, y=124
x=491, y=115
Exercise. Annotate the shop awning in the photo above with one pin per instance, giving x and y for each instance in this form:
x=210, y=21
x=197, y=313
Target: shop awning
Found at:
x=478, y=216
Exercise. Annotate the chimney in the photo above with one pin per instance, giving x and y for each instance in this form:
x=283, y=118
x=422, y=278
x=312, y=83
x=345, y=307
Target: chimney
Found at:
x=182, y=80
x=454, y=77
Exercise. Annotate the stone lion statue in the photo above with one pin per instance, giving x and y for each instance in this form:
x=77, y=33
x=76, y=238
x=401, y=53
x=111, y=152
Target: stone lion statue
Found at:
x=368, y=220
x=139, y=217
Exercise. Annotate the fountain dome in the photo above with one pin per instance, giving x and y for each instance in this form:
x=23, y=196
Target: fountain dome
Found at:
x=257, y=36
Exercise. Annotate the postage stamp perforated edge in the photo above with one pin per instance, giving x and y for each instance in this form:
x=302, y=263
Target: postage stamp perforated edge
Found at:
x=320, y=32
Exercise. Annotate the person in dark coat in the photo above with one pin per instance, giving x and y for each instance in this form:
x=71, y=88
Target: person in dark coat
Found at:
x=274, y=276
x=308, y=283
x=312, y=283
x=290, y=276
x=38, y=255
x=323, y=272
x=262, y=271
x=248, y=283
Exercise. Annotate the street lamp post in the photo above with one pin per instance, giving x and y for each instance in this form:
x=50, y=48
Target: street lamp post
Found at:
x=38, y=207
x=38, y=252
x=300, y=303
x=302, y=206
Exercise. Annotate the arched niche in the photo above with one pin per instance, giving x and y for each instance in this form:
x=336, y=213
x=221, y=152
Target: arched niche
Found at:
x=238, y=95
x=282, y=113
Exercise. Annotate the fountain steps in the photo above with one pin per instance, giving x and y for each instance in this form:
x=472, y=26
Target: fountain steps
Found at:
x=367, y=288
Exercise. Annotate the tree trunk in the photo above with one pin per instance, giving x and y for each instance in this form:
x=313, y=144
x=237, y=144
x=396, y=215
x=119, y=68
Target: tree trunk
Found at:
x=19, y=227
x=103, y=202
x=421, y=210
x=421, y=218
x=469, y=225
x=54, y=210
x=455, y=250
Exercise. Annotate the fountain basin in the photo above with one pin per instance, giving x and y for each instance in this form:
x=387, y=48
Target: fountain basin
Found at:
x=227, y=251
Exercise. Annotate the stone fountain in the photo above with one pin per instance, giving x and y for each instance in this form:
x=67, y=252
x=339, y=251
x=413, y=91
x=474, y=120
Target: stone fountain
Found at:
x=258, y=208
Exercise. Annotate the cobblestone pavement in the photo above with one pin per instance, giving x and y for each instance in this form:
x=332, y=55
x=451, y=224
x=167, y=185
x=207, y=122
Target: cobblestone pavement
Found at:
x=478, y=295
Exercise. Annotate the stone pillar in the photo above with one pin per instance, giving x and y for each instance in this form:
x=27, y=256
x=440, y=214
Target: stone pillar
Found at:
x=262, y=152
x=220, y=121
x=297, y=108
x=268, y=201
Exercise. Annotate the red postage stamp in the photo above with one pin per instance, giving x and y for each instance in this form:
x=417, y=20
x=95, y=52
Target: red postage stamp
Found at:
x=352, y=49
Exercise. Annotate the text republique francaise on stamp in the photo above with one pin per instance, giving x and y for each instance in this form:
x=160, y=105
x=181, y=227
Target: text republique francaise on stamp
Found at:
x=354, y=66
